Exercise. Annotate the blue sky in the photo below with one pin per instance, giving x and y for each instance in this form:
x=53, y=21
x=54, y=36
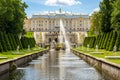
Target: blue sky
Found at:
x=79, y=6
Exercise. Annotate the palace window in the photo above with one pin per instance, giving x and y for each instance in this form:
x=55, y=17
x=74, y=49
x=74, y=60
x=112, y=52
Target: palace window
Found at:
x=80, y=24
x=66, y=21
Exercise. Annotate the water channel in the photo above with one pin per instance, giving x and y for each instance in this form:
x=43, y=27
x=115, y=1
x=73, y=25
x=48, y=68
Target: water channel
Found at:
x=56, y=65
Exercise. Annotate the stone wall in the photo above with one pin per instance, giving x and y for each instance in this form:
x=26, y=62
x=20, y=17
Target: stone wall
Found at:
x=6, y=66
x=109, y=71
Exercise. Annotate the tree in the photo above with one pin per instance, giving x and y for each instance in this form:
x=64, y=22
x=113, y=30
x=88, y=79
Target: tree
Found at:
x=115, y=20
x=105, y=11
x=12, y=15
x=95, y=23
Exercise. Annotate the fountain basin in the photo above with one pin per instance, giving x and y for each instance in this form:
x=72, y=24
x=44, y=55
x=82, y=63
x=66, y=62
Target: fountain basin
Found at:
x=58, y=46
x=112, y=57
x=97, y=52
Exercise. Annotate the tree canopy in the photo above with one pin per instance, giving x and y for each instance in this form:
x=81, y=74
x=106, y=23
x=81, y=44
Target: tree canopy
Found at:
x=12, y=15
x=105, y=11
x=95, y=23
x=115, y=20
x=108, y=17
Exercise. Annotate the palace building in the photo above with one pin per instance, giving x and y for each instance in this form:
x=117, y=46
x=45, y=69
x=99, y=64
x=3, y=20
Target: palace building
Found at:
x=49, y=24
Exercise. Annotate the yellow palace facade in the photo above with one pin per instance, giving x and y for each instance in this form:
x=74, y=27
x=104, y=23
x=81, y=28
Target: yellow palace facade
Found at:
x=49, y=24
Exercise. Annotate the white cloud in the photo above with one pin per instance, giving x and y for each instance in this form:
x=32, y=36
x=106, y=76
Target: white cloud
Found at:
x=95, y=10
x=34, y=1
x=62, y=2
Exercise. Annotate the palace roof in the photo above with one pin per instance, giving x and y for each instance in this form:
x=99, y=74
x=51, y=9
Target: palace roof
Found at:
x=60, y=15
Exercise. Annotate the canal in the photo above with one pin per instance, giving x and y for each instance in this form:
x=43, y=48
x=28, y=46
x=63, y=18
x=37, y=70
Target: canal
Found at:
x=55, y=65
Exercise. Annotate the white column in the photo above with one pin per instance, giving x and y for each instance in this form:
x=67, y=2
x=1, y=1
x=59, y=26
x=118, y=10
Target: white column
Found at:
x=76, y=24
x=83, y=24
x=72, y=23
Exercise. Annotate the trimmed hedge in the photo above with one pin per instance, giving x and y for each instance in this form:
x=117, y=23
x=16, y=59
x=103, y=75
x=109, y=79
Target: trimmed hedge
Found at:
x=100, y=41
x=105, y=41
x=18, y=42
x=109, y=40
x=90, y=41
x=3, y=43
x=28, y=41
x=85, y=41
x=97, y=41
x=14, y=41
x=117, y=43
x=113, y=40
x=1, y=49
x=7, y=42
x=10, y=42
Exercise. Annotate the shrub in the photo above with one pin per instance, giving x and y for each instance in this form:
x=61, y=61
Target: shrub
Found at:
x=23, y=41
x=11, y=41
x=7, y=42
x=117, y=43
x=109, y=40
x=14, y=41
x=96, y=41
x=113, y=40
x=106, y=39
x=100, y=40
x=3, y=43
x=85, y=41
x=18, y=42
x=1, y=49
x=103, y=40
x=28, y=41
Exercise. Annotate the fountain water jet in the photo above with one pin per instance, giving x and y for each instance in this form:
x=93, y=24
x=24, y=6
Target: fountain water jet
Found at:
x=114, y=48
x=52, y=45
x=96, y=48
x=28, y=47
x=18, y=47
x=43, y=37
x=87, y=47
x=78, y=37
x=63, y=35
x=35, y=35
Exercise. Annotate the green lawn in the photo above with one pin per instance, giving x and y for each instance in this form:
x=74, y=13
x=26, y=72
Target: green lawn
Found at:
x=15, y=54
x=105, y=53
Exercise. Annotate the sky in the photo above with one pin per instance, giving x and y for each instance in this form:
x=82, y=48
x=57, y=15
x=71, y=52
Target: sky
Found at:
x=76, y=6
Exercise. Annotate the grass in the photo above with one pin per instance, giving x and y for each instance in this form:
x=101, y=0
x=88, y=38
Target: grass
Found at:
x=29, y=34
x=105, y=53
x=13, y=54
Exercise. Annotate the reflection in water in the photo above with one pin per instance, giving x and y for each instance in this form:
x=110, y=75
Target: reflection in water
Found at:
x=56, y=66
